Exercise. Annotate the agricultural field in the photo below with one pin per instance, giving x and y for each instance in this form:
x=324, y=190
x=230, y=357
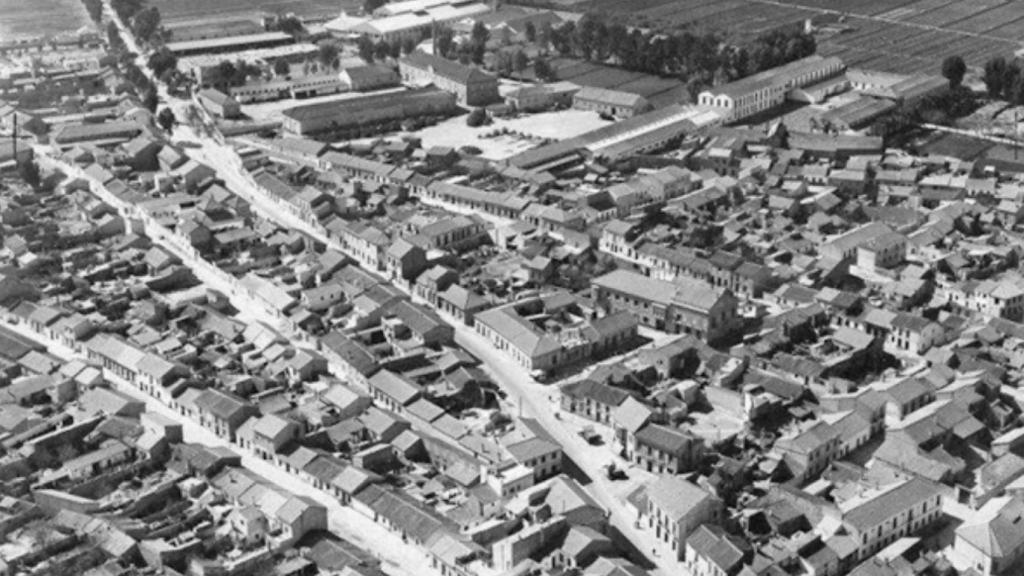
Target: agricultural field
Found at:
x=902, y=36
x=199, y=10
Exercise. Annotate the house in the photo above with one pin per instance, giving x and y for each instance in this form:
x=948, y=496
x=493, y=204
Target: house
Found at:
x=267, y=434
x=808, y=452
x=542, y=456
x=992, y=542
x=666, y=450
x=393, y=391
x=434, y=282
x=593, y=400
x=404, y=261
x=628, y=418
x=913, y=333
x=685, y=306
x=880, y=517
x=219, y=103
x=142, y=152
x=582, y=545
x=470, y=85
x=461, y=303
x=675, y=508
x=881, y=252
x=610, y=102
x=223, y=413
x=551, y=345
x=404, y=320
x=710, y=551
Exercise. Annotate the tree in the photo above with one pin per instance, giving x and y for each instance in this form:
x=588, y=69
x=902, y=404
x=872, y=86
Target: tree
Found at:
x=520, y=61
x=381, y=50
x=291, y=25
x=544, y=35
x=162, y=60
x=477, y=53
x=694, y=86
x=146, y=23
x=370, y=6
x=114, y=37
x=327, y=54
x=954, y=68
x=365, y=47
x=29, y=173
x=531, y=32
x=1010, y=77
x=543, y=70
x=503, y=64
x=150, y=100
x=166, y=119
x=1015, y=89
x=476, y=118
x=95, y=9
x=562, y=37
x=221, y=75
x=444, y=42
x=282, y=68
x=126, y=8
x=480, y=33
x=408, y=45
x=995, y=76
x=395, y=49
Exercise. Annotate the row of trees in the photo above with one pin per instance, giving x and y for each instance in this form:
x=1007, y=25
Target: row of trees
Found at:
x=229, y=73
x=507, y=63
x=144, y=21
x=701, y=59
x=382, y=50
x=1005, y=79
x=472, y=50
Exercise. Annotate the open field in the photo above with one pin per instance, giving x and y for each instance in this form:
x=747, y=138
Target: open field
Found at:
x=903, y=36
x=200, y=10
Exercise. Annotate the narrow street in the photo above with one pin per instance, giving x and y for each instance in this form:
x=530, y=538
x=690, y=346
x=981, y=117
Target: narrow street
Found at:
x=397, y=557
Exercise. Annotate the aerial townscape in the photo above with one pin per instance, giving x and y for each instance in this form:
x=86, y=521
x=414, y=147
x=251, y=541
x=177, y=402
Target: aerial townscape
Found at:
x=511, y=288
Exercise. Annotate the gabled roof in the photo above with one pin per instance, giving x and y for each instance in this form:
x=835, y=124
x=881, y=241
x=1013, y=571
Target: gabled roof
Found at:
x=664, y=439
x=724, y=551
x=445, y=68
x=675, y=496
x=395, y=386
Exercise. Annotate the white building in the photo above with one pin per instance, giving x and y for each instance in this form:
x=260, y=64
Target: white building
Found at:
x=768, y=89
